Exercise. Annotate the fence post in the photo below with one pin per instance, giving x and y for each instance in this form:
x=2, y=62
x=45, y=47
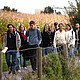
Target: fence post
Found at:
x=0, y=59
x=0, y=65
x=39, y=62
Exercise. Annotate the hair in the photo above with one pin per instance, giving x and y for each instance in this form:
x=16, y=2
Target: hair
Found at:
x=48, y=27
x=69, y=26
x=20, y=27
x=76, y=23
x=9, y=25
x=32, y=22
x=61, y=24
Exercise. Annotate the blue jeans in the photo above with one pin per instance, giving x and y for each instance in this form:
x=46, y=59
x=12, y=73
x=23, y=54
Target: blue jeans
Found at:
x=24, y=62
x=47, y=50
x=71, y=51
x=14, y=57
x=18, y=64
x=77, y=49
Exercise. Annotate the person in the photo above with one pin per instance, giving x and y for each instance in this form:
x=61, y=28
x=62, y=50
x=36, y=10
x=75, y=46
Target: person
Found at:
x=13, y=42
x=22, y=33
x=18, y=61
x=60, y=40
x=77, y=38
x=71, y=40
x=34, y=41
x=46, y=40
x=52, y=33
x=56, y=26
x=38, y=27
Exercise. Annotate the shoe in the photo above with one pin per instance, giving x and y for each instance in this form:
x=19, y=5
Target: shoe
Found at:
x=25, y=67
x=33, y=72
x=9, y=70
x=19, y=70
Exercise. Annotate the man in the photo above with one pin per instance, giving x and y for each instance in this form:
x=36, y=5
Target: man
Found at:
x=13, y=42
x=34, y=41
x=56, y=26
x=60, y=41
x=77, y=37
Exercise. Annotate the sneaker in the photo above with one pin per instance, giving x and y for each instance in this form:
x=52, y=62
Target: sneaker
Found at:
x=19, y=70
x=25, y=67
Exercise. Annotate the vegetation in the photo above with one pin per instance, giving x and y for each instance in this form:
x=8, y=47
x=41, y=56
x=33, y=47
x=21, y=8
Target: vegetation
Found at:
x=8, y=9
x=74, y=12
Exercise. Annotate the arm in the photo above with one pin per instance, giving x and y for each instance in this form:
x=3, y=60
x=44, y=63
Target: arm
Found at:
x=54, y=42
x=73, y=40
x=5, y=40
x=39, y=37
x=18, y=41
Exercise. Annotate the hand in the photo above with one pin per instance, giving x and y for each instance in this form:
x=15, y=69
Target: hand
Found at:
x=17, y=49
x=54, y=48
x=72, y=46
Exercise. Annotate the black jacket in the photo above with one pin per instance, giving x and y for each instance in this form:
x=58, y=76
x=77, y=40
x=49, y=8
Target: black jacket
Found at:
x=78, y=35
x=47, y=38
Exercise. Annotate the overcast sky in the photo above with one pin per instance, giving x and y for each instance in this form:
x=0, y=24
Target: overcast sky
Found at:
x=29, y=6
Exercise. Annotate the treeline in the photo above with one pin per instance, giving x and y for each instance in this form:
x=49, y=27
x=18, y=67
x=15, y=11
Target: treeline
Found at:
x=9, y=9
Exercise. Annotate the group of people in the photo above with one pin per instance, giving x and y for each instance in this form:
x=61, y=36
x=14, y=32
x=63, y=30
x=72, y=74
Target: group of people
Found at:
x=51, y=39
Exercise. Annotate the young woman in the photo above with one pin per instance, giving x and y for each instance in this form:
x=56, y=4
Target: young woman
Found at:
x=46, y=40
x=71, y=39
x=22, y=33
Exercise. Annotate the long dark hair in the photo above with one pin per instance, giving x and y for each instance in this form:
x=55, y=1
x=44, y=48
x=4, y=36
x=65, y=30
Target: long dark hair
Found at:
x=48, y=27
x=20, y=27
x=68, y=25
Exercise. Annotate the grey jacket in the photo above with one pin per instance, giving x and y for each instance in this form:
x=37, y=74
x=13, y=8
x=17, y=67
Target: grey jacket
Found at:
x=34, y=36
x=18, y=40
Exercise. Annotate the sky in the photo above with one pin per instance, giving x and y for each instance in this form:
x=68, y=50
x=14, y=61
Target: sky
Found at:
x=29, y=6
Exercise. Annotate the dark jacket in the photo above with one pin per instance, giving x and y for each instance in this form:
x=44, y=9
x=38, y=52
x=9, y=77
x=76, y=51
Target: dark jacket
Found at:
x=78, y=35
x=16, y=37
x=47, y=38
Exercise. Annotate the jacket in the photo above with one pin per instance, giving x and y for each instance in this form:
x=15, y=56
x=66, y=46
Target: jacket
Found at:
x=18, y=40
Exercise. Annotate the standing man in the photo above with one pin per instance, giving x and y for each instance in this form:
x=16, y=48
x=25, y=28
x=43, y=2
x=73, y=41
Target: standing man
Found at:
x=34, y=41
x=13, y=42
x=77, y=37
x=56, y=26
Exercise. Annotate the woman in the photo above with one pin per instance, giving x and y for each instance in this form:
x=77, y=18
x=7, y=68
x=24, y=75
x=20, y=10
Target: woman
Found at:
x=46, y=40
x=71, y=39
x=22, y=35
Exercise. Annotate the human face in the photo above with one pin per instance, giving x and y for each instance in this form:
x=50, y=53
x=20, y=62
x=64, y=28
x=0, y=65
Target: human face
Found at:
x=76, y=26
x=32, y=26
x=61, y=27
x=46, y=27
x=52, y=29
x=67, y=27
x=11, y=28
x=56, y=26
x=22, y=28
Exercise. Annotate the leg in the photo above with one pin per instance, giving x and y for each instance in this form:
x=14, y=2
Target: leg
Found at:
x=33, y=60
x=14, y=59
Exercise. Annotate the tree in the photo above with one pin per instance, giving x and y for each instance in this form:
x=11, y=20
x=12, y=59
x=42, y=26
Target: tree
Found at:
x=8, y=9
x=48, y=10
x=74, y=12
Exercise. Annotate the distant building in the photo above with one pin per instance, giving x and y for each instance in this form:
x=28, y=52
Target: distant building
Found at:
x=38, y=11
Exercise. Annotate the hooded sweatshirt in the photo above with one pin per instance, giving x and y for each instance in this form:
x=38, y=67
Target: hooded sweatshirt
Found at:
x=34, y=36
